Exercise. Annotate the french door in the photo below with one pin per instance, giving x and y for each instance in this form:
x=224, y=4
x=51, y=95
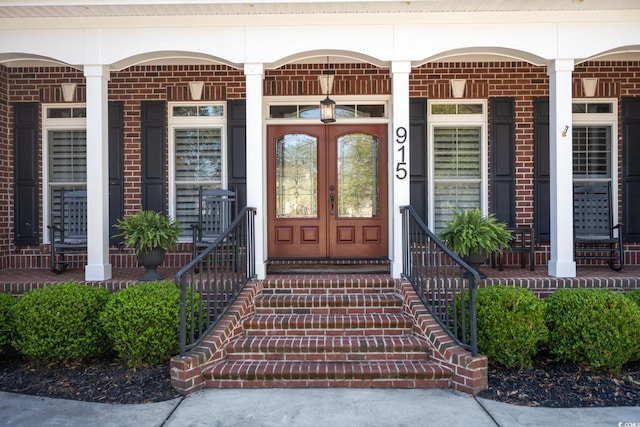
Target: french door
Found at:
x=327, y=191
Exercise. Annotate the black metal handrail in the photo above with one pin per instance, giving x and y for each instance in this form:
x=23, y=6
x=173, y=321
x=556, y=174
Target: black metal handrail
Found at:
x=212, y=281
x=442, y=280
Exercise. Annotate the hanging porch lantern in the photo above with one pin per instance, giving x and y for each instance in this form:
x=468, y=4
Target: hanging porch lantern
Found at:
x=327, y=105
x=327, y=110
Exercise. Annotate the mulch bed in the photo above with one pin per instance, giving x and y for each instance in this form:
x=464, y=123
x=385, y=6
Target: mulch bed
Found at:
x=104, y=381
x=564, y=385
x=546, y=384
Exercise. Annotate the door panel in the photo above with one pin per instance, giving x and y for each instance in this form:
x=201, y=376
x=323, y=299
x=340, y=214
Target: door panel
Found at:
x=327, y=191
x=357, y=164
x=297, y=225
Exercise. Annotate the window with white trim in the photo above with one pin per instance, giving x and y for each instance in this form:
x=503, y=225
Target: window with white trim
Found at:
x=65, y=155
x=457, y=159
x=594, y=125
x=197, y=151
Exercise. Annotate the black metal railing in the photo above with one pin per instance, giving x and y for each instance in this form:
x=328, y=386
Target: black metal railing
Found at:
x=443, y=281
x=212, y=281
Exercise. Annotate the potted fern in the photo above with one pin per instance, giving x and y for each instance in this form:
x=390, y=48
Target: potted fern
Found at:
x=150, y=234
x=473, y=236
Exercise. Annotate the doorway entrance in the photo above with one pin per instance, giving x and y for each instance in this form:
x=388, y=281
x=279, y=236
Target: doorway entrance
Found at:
x=327, y=191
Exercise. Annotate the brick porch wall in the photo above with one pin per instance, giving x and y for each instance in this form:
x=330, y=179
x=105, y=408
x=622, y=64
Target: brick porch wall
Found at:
x=186, y=372
x=470, y=373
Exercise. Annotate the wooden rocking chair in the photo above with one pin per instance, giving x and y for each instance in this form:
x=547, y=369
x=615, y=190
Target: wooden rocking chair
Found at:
x=69, y=236
x=593, y=228
x=216, y=210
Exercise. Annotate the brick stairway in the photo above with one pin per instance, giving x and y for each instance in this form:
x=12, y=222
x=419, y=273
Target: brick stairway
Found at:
x=326, y=330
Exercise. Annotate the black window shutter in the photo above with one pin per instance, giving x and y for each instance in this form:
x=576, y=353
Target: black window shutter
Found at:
x=631, y=168
x=418, y=162
x=503, y=141
x=153, y=125
x=237, y=149
x=116, y=165
x=25, y=174
x=542, y=178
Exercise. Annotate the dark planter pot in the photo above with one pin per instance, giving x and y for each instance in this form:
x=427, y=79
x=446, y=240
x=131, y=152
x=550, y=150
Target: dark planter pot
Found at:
x=475, y=260
x=150, y=260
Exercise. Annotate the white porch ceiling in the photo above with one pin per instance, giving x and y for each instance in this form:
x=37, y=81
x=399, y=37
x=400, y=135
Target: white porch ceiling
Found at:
x=122, y=8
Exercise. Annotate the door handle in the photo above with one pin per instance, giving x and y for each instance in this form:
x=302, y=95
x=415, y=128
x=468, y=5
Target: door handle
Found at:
x=332, y=198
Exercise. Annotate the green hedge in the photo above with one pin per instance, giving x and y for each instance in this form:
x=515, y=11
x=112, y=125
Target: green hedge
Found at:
x=59, y=322
x=6, y=303
x=143, y=323
x=511, y=325
x=634, y=296
x=596, y=326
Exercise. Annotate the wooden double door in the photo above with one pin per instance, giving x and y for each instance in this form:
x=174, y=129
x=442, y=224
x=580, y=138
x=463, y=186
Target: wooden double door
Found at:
x=327, y=191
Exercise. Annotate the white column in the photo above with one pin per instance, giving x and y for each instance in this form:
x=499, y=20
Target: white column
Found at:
x=256, y=177
x=98, y=266
x=562, y=263
x=399, y=188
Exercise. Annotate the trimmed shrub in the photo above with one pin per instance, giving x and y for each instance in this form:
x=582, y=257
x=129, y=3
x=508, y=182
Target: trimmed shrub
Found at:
x=596, y=326
x=634, y=296
x=60, y=322
x=143, y=322
x=511, y=325
x=6, y=302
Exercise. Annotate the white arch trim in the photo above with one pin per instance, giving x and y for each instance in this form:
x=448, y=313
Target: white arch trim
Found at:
x=483, y=53
x=18, y=59
x=623, y=53
x=330, y=55
x=171, y=57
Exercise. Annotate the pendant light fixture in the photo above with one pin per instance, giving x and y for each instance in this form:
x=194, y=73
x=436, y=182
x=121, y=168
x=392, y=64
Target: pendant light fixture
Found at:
x=327, y=106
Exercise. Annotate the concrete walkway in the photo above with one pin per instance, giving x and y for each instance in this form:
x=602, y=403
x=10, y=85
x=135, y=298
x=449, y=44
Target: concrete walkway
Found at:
x=306, y=407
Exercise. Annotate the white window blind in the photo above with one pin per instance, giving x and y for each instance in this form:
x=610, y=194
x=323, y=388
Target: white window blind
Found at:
x=68, y=156
x=591, y=153
x=198, y=162
x=456, y=171
x=67, y=162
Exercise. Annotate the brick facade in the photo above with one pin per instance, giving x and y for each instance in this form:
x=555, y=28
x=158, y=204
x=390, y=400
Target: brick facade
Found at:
x=520, y=80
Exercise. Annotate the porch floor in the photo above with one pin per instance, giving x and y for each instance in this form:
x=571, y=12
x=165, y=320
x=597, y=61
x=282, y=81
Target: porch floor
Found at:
x=600, y=276
x=18, y=281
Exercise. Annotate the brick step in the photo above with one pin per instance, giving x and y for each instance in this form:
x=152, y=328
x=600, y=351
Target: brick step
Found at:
x=381, y=374
x=331, y=283
x=328, y=303
x=328, y=348
x=329, y=330
x=334, y=324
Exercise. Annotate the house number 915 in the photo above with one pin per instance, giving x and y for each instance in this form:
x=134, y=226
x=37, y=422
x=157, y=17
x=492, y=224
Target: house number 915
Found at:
x=401, y=165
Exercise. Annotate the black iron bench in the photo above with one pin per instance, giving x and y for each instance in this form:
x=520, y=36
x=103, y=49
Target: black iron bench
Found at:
x=523, y=244
x=68, y=236
x=593, y=230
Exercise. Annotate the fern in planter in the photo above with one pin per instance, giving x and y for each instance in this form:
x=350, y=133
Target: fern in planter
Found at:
x=150, y=234
x=147, y=230
x=471, y=232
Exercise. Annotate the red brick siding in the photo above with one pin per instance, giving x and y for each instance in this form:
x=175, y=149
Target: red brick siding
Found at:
x=520, y=80
x=137, y=84
x=525, y=82
x=133, y=85
x=349, y=79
